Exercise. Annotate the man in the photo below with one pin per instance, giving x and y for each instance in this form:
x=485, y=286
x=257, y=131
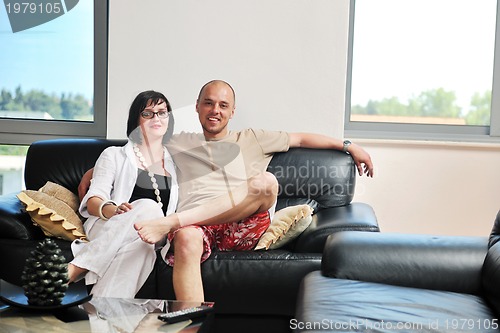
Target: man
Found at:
x=217, y=206
x=225, y=194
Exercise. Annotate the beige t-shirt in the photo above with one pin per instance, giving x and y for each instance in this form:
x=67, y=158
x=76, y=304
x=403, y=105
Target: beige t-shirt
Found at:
x=209, y=169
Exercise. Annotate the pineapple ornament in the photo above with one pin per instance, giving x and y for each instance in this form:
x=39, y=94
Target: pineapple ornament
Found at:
x=45, y=275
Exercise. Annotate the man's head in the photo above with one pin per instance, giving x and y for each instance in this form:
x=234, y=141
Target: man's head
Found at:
x=215, y=106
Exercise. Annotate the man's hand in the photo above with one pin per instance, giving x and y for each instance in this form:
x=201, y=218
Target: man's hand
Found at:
x=84, y=185
x=362, y=160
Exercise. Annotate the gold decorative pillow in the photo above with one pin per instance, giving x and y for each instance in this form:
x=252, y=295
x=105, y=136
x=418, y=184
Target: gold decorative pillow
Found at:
x=287, y=224
x=53, y=208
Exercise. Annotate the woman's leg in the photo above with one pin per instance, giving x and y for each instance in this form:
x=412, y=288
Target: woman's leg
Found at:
x=75, y=273
x=127, y=272
x=117, y=261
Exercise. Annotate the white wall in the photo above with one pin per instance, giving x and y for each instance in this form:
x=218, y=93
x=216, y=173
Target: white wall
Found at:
x=432, y=187
x=282, y=58
x=286, y=60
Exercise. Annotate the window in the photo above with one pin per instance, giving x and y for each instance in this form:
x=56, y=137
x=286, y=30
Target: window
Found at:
x=422, y=69
x=12, y=160
x=53, y=77
x=54, y=73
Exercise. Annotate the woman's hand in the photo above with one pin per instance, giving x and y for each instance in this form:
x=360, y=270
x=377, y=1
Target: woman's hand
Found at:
x=109, y=210
x=123, y=208
x=84, y=185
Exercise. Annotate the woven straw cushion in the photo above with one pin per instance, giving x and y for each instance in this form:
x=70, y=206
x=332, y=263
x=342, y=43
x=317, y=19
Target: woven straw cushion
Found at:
x=53, y=208
x=61, y=193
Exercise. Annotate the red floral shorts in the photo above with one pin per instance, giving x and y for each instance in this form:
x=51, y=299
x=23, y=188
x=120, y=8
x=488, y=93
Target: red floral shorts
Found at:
x=234, y=236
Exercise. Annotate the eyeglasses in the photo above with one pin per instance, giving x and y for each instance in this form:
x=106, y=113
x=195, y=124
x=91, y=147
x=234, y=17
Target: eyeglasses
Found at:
x=151, y=114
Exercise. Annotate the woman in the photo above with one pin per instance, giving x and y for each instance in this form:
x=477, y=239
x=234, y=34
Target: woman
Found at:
x=132, y=183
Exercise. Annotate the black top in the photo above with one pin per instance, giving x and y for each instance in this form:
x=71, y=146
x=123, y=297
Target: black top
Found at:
x=144, y=188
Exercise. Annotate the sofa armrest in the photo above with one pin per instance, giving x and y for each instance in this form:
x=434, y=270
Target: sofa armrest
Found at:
x=15, y=223
x=451, y=263
x=355, y=217
x=491, y=276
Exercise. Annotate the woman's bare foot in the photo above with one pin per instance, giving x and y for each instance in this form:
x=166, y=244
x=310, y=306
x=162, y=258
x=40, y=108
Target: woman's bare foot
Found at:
x=75, y=273
x=153, y=231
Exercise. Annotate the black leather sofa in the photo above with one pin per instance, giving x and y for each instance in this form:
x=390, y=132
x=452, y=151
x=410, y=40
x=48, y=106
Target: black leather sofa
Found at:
x=383, y=282
x=254, y=291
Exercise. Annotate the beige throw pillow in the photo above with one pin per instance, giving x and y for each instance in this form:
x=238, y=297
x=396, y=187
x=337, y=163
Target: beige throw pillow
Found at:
x=287, y=224
x=53, y=208
x=61, y=193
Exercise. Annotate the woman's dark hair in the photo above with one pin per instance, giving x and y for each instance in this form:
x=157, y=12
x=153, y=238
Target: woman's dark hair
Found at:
x=145, y=98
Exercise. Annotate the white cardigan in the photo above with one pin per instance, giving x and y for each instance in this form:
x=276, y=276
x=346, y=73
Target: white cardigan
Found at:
x=114, y=178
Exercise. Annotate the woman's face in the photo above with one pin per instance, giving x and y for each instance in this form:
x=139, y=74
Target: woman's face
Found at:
x=153, y=120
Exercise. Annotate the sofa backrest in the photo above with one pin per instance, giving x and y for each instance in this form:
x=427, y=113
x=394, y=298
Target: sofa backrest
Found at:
x=495, y=231
x=62, y=161
x=319, y=177
x=491, y=268
x=491, y=277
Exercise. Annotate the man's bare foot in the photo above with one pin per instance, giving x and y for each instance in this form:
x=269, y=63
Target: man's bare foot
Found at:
x=153, y=231
x=75, y=273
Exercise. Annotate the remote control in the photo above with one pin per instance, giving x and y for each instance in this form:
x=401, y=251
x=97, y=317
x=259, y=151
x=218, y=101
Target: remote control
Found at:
x=185, y=314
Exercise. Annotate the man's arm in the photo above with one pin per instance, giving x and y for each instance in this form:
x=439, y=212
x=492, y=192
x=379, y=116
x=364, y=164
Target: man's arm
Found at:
x=84, y=185
x=94, y=202
x=309, y=140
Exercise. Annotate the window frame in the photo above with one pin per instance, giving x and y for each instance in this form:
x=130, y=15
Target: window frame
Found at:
x=26, y=131
x=436, y=132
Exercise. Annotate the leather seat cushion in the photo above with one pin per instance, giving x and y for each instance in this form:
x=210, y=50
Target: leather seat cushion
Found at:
x=350, y=305
x=262, y=282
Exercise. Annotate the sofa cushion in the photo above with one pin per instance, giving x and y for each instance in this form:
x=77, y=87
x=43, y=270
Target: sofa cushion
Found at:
x=354, y=306
x=439, y=262
x=356, y=216
x=61, y=193
x=244, y=282
x=52, y=215
x=287, y=224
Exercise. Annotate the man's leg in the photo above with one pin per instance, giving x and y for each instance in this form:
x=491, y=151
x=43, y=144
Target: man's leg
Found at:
x=241, y=235
x=188, y=248
x=257, y=195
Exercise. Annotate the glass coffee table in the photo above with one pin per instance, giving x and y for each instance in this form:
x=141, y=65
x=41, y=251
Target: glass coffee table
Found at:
x=102, y=315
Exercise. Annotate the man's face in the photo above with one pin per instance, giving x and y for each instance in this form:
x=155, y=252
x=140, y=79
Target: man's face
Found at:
x=215, y=107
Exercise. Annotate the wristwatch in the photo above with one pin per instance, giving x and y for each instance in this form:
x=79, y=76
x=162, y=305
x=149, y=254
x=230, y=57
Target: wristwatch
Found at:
x=347, y=143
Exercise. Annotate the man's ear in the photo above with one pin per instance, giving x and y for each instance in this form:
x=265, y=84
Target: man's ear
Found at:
x=196, y=108
x=232, y=113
